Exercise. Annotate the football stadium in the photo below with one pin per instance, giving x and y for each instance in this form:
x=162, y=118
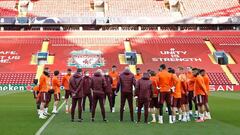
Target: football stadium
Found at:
x=155, y=66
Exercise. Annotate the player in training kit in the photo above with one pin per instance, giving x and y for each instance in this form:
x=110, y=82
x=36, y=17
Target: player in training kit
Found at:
x=77, y=94
x=87, y=91
x=125, y=84
x=44, y=88
x=184, y=96
x=65, y=84
x=115, y=76
x=199, y=92
x=109, y=93
x=191, y=99
x=49, y=93
x=36, y=95
x=143, y=95
x=56, y=88
x=154, y=104
x=206, y=81
x=176, y=97
x=98, y=87
x=165, y=81
x=138, y=76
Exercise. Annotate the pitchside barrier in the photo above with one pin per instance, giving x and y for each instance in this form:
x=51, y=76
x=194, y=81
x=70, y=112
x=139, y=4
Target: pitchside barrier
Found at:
x=27, y=87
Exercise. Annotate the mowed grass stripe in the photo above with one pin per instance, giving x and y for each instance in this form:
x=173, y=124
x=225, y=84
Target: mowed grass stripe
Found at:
x=3, y=93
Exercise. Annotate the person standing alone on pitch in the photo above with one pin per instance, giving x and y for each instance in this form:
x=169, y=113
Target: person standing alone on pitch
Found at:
x=115, y=76
x=125, y=84
x=143, y=94
x=87, y=91
x=77, y=94
x=65, y=84
x=98, y=87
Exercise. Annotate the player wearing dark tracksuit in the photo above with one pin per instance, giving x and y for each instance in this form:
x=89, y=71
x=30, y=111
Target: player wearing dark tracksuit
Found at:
x=109, y=93
x=144, y=94
x=77, y=94
x=125, y=84
x=98, y=87
x=86, y=86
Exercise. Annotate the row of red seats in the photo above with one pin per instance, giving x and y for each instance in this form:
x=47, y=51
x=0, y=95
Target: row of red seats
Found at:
x=27, y=78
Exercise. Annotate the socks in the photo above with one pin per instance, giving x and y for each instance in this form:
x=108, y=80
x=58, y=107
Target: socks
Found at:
x=174, y=119
x=153, y=117
x=46, y=110
x=54, y=108
x=188, y=116
x=66, y=107
x=160, y=119
x=170, y=119
x=201, y=116
x=179, y=117
x=190, y=112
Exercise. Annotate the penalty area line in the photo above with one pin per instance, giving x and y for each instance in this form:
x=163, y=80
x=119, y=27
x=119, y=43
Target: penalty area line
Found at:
x=39, y=132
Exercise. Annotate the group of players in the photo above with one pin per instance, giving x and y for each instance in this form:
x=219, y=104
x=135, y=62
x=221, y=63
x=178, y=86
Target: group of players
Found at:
x=179, y=91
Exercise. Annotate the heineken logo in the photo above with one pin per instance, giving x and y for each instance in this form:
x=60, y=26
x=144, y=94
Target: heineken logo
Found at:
x=15, y=87
x=86, y=59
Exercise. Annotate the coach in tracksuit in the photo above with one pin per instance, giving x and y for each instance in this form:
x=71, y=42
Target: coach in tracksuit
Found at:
x=87, y=92
x=125, y=84
x=98, y=87
x=109, y=92
x=143, y=94
x=77, y=94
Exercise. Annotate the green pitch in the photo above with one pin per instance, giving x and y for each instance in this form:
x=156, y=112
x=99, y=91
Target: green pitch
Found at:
x=18, y=117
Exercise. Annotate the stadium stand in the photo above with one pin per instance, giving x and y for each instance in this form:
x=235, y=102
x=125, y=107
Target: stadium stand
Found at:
x=121, y=8
x=149, y=45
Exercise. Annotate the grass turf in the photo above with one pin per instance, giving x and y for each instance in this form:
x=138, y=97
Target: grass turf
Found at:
x=18, y=116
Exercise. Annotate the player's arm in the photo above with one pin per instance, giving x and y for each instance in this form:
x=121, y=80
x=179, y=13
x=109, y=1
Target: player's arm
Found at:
x=151, y=91
x=134, y=81
x=104, y=84
x=58, y=83
x=34, y=92
x=118, y=85
x=63, y=80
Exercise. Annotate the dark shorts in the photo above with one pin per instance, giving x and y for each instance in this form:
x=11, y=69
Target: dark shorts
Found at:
x=190, y=96
x=176, y=102
x=57, y=97
x=200, y=99
x=165, y=96
x=67, y=94
x=49, y=97
x=206, y=99
x=44, y=97
x=184, y=99
x=154, y=103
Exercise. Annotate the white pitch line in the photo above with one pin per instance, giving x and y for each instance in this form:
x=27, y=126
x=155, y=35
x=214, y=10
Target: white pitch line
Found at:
x=39, y=132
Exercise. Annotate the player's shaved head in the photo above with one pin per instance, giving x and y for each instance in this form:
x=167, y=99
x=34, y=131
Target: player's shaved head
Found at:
x=163, y=67
x=56, y=72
